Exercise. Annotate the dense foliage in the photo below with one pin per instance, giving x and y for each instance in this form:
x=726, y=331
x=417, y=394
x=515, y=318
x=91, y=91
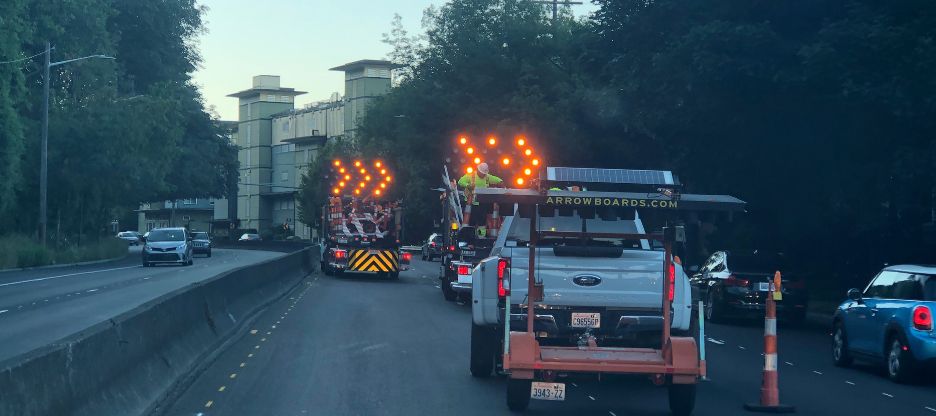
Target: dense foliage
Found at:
x=820, y=114
x=121, y=131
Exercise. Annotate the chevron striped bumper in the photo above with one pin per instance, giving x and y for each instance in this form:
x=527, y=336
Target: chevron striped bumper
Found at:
x=374, y=261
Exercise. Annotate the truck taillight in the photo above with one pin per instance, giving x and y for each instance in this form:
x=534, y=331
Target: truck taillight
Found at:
x=671, y=276
x=432, y=244
x=452, y=249
x=922, y=318
x=503, y=274
x=464, y=270
x=340, y=254
x=407, y=256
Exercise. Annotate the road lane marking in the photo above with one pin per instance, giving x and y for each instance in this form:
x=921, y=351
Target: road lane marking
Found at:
x=788, y=363
x=253, y=332
x=888, y=395
x=574, y=385
x=220, y=389
x=242, y=365
x=611, y=413
x=817, y=372
x=250, y=355
x=256, y=347
x=65, y=275
x=741, y=347
x=91, y=290
x=210, y=402
x=262, y=339
x=233, y=375
x=5, y=311
x=268, y=332
x=590, y=397
x=849, y=383
x=929, y=408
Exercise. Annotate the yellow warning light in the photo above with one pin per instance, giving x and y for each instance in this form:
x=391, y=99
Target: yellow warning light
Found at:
x=506, y=161
x=383, y=185
x=528, y=152
x=361, y=185
x=492, y=140
x=463, y=140
x=388, y=179
x=376, y=191
x=477, y=160
x=357, y=163
x=367, y=178
x=469, y=150
x=520, y=181
x=535, y=162
x=383, y=171
x=454, y=226
x=341, y=184
x=357, y=191
x=347, y=177
x=521, y=141
x=336, y=191
x=377, y=163
x=363, y=171
x=469, y=169
x=342, y=170
x=527, y=171
x=337, y=162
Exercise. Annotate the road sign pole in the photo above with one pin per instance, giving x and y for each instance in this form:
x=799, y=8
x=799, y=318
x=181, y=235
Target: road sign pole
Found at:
x=770, y=386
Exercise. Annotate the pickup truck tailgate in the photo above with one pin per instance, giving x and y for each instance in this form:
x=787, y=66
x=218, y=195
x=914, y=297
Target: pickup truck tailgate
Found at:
x=634, y=280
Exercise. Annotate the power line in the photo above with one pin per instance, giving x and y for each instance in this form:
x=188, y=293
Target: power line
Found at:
x=21, y=60
x=555, y=5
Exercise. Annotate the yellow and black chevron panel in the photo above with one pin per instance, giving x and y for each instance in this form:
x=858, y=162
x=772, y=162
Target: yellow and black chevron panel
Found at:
x=374, y=261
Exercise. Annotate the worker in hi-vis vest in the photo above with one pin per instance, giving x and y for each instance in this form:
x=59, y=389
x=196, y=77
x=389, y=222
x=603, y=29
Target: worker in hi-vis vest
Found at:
x=480, y=178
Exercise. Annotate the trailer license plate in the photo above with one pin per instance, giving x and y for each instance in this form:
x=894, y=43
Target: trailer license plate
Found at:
x=547, y=391
x=468, y=253
x=586, y=320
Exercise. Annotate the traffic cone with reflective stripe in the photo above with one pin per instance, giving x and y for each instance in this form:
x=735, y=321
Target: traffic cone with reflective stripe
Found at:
x=770, y=386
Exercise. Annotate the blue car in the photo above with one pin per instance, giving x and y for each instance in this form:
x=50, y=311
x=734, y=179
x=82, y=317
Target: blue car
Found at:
x=890, y=322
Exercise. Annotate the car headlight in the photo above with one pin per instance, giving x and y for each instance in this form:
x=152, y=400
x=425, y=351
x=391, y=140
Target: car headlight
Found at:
x=181, y=247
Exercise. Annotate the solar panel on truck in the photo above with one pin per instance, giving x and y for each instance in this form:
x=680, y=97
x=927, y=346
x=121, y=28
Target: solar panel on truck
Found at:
x=614, y=176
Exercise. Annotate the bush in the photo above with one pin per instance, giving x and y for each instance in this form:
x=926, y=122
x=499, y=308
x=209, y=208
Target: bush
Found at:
x=19, y=252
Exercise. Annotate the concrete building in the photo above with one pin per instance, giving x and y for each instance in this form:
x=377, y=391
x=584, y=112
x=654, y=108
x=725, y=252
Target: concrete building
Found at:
x=277, y=142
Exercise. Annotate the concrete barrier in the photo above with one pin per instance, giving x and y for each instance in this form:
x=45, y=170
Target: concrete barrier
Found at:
x=132, y=363
x=266, y=245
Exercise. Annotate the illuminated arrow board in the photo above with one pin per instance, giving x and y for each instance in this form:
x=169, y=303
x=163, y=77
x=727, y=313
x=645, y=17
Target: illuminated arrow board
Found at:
x=513, y=159
x=360, y=178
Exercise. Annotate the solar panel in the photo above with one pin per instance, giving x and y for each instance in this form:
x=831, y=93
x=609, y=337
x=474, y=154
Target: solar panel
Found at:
x=615, y=176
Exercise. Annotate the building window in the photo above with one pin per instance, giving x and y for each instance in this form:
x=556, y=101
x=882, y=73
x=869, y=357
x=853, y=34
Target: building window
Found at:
x=286, y=126
x=189, y=201
x=284, y=98
x=284, y=176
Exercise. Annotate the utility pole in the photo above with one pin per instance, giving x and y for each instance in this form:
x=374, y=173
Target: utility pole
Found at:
x=555, y=5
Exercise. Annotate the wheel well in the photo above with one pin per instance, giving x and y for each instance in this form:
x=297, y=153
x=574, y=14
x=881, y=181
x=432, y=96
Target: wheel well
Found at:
x=892, y=333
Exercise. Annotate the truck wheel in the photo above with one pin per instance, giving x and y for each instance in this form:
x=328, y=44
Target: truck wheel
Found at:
x=447, y=292
x=394, y=275
x=518, y=394
x=713, y=311
x=483, y=340
x=682, y=399
x=327, y=270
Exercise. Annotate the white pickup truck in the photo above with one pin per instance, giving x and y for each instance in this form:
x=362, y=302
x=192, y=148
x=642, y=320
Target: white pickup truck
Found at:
x=610, y=289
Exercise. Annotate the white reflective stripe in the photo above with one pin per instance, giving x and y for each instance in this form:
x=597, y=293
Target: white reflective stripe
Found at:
x=770, y=362
x=770, y=327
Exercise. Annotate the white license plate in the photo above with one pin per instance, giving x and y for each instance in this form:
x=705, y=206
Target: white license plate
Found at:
x=547, y=391
x=586, y=320
x=469, y=253
x=763, y=286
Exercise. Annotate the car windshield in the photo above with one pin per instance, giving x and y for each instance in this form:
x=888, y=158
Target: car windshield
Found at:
x=166, y=235
x=200, y=236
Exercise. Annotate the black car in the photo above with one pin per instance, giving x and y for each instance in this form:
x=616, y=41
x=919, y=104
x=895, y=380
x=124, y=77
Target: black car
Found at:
x=432, y=247
x=201, y=243
x=734, y=284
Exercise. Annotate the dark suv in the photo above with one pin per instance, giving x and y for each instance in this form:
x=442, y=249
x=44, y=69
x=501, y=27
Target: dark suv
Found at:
x=890, y=322
x=201, y=243
x=432, y=247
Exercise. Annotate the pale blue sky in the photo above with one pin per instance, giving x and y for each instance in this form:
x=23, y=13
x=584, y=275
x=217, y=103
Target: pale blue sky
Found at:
x=297, y=40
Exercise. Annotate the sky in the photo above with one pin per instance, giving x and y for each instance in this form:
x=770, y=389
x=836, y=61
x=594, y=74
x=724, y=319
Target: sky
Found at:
x=299, y=40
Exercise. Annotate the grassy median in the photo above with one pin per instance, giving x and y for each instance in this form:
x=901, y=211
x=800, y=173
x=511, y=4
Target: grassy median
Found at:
x=19, y=251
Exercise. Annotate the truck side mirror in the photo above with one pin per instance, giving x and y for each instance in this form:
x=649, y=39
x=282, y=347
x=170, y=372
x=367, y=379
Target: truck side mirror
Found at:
x=854, y=294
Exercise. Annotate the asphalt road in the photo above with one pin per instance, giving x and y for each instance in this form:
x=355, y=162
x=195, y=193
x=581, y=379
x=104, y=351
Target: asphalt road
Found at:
x=361, y=346
x=41, y=306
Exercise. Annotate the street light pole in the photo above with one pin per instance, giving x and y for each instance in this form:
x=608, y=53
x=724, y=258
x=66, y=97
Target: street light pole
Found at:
x=44, y=155
x=44, y=158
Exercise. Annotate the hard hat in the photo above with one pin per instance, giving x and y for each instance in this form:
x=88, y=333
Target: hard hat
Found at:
x=483, y=168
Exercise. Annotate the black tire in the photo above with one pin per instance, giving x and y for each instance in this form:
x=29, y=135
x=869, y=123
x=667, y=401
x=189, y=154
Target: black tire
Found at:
x=840, y=355
x=713, y=312
x=899, y=361
x=394, y=275
x=682, y=399
x=483, y=350
x=424, y=258
x=518, y=394
x=146, y=264
x=209, y=253
x=447, y=292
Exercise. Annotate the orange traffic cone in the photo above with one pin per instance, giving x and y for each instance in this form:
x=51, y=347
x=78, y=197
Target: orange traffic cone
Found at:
x=770, y=387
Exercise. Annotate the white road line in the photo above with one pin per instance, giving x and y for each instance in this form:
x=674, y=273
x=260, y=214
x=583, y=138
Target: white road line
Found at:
x=715, y=341
x=574, y=385
x=817, y=372
x=91, y=290
x=849, y=383
x=929, y=408
x=590, y=397
x=611, y=413
x=888, y=395
x=66, y=275
x=741, y=347
x=788, y=363
x=4, y=311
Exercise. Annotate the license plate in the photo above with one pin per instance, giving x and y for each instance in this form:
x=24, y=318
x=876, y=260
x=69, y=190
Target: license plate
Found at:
x=547, y=391
x=763, y=286
x=342, y=241
x=469, y=253
x=586, y=320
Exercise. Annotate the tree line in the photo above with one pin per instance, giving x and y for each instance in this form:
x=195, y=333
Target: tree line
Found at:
x=121, y=131
x=819, y=114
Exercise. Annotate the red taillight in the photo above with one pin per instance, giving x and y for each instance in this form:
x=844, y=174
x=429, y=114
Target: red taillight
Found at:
x=340, y=254
x=734, y=281
x=464, y=270
x=407, y=256
x=503, y=272
x=452, y=249
x=671, y=276
x=922, y=318
x=432, y=244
